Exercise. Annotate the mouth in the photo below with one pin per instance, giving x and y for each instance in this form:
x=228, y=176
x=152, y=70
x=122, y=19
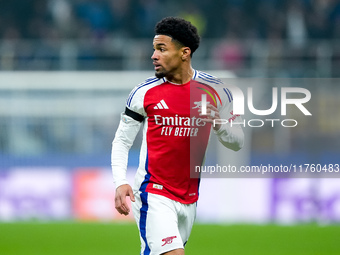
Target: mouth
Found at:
x=157, y=66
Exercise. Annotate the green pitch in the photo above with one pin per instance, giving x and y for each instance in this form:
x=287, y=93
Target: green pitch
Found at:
x=122, y=239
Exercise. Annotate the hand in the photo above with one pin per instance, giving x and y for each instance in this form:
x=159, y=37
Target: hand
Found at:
x=212, y=114
x=120, y=198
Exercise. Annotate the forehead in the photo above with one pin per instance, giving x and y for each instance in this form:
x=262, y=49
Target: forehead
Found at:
x=162, y=39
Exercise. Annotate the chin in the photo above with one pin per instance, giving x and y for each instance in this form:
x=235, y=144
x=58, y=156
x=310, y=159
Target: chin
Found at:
x=160, y=75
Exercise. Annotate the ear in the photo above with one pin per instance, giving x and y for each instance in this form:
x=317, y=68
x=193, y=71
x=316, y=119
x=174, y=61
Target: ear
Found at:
x=186, y=53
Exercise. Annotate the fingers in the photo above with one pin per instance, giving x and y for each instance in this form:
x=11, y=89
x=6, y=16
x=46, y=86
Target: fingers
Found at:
x=212, y=113
x=132, y=197
x=212, y=108
x=120, y=199
x=121, y=205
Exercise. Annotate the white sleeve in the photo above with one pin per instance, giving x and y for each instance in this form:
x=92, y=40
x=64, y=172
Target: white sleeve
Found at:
x=231, y=136
x=124, y=138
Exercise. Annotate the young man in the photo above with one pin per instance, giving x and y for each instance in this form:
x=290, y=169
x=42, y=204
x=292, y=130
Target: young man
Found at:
x=175, y=137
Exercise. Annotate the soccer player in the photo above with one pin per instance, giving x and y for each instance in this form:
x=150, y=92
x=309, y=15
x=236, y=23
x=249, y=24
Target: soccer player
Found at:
x=176, y=131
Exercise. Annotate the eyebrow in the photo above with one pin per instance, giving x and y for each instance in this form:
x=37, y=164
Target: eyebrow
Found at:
x=160, y=44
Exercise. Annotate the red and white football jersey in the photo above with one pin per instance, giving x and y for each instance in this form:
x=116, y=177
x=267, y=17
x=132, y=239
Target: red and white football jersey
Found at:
x=175, y=138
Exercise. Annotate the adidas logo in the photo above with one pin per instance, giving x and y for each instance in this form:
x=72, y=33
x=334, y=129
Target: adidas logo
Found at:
x=161, y=105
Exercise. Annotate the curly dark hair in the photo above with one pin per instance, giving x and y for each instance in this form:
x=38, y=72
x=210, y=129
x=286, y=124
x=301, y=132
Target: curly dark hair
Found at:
x=180, y=30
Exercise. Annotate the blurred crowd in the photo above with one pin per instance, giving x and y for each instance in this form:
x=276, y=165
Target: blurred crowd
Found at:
x=262, y=37
x=295, y=20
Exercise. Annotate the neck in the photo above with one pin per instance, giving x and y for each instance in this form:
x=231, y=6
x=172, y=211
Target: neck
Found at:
x=182, y=77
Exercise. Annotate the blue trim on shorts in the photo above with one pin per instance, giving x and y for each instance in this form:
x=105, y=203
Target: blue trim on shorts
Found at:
x=142, y=221
x=144, y=208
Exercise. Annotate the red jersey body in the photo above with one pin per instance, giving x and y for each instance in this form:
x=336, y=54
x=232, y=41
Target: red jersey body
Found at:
x=174, y=136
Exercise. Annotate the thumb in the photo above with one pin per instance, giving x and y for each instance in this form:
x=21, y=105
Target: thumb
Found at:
x=132, y=197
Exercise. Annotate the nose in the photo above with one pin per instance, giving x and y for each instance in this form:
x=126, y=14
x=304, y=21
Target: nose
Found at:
x=154, y=55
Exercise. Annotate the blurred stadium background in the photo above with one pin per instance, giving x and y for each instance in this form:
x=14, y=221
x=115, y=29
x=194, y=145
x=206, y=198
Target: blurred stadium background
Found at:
x=67, y=67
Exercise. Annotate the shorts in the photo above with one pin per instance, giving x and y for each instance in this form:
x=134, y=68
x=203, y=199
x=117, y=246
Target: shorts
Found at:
x=164, y=224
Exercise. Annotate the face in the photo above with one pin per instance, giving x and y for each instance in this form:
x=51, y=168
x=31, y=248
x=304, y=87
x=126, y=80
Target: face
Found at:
x=167, y=56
